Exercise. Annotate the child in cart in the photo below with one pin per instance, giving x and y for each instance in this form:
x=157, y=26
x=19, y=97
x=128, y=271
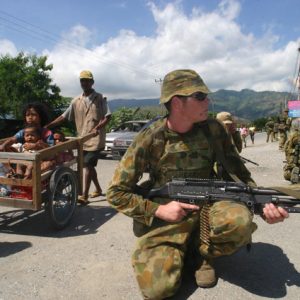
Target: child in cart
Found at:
x=33, y=142
x=64, y=156
x=33, y=114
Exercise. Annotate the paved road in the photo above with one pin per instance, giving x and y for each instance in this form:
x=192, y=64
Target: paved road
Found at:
x=91, y=258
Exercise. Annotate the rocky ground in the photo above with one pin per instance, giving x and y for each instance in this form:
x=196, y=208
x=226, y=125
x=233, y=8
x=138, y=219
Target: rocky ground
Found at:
x=90, y=259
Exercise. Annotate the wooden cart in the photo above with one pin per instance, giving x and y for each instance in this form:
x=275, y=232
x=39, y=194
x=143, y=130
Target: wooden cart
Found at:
x=54, y=190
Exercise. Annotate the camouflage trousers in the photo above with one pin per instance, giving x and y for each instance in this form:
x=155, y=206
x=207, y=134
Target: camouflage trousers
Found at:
x=270, y=134
x=159, y=256
x=282, y=139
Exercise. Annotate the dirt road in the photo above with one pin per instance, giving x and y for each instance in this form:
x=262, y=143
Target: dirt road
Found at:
x=91, y=258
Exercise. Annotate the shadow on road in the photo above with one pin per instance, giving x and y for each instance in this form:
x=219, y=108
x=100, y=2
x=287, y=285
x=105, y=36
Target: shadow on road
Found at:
x=8, y=248
x=264, y=271
x=86, y=220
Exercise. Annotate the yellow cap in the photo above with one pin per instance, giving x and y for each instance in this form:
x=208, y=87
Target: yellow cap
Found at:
x=86, y=75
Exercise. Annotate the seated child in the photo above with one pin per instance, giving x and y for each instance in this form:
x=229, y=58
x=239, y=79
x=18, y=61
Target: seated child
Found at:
x=62, y=157
x=33, y=114
x=33, y=142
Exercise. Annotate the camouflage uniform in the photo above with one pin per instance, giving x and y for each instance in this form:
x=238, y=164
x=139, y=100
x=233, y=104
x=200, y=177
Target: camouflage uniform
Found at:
x=269, y=129
x=237, y=140
x=284, y=124
x=227, y=119
x=158, y=258
x=275, y=131
x=292, y=155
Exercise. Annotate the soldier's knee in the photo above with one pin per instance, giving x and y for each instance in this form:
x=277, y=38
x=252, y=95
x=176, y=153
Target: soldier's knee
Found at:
x=287, y=175
x=233, y=220
x=239, y=225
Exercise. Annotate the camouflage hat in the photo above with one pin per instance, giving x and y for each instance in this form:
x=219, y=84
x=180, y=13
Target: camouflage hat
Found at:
x=225, y=117
x=286, y=110
x=182, y=83
x=86, y=75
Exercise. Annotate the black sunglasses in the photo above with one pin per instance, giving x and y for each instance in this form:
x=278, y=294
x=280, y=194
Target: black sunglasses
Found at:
x=199, y=96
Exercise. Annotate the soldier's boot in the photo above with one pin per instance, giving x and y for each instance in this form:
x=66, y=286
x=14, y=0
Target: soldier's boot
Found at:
x=295, y=175
x=206, y=275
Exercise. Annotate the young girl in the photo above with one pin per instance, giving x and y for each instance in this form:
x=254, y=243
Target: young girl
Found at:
x=33, y=114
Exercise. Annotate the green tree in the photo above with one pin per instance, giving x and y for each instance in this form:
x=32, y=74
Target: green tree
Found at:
x=119, y=116
x=260, y=123
x=25, y=79
x=124, y=114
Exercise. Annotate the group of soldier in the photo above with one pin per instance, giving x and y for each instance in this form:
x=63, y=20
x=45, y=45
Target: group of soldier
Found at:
x=283, y=129
x=286, y=130
x=278, y=129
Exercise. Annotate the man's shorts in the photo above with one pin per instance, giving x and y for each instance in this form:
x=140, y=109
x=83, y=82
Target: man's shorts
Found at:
x=90, y=158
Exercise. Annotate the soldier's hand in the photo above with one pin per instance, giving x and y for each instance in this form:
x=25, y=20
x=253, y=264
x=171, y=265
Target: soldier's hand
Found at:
x=273, y=214
x=174, y=211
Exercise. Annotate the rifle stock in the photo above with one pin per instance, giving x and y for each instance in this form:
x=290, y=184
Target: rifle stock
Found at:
x=201, y=191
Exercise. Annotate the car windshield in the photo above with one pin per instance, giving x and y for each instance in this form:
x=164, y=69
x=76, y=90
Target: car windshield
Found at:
x=130, y=126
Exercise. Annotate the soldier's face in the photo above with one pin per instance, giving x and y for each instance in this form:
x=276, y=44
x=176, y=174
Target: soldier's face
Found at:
x=195, y=110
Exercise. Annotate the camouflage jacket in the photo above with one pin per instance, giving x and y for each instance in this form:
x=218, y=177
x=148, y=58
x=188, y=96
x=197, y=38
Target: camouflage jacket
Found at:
x=269, y=126
x=167, y=154
x=290, y=146
x=237, y=140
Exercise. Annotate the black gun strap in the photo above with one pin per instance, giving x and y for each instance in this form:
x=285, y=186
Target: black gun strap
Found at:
x=219, y=153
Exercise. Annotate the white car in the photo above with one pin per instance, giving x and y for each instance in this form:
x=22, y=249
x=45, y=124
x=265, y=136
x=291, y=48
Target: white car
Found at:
x=119, y=132
x=121, y=143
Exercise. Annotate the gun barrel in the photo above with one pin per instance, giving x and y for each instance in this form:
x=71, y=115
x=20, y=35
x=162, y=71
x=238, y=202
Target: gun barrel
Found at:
x=248, y=160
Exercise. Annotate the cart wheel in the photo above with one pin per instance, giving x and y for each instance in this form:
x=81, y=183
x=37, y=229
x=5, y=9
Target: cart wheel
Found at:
x=63, y=194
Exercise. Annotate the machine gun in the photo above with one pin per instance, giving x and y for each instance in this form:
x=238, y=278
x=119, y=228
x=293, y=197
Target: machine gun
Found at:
x=203, y=191
x=248, y=160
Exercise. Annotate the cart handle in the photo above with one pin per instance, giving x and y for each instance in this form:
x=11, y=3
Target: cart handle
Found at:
x=88, y=136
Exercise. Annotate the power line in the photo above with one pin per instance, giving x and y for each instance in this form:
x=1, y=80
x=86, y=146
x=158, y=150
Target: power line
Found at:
x=37, y=32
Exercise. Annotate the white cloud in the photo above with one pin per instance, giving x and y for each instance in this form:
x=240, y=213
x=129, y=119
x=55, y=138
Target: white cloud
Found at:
x=78, y=35
x=7, y=47
x=212, y=43
x=229, y=9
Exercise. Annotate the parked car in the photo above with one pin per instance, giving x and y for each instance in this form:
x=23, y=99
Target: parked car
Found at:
x=121, y=143
x=125, y=128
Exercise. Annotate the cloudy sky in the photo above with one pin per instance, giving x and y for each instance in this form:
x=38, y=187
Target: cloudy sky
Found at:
x=130, y=45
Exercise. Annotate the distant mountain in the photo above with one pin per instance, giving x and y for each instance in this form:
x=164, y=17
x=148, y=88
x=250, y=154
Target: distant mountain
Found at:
x=247, y=104
x=130, y=103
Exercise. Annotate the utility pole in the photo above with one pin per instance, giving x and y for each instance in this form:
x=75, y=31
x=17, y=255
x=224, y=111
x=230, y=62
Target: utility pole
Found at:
x=298, y=77
x=160, y=81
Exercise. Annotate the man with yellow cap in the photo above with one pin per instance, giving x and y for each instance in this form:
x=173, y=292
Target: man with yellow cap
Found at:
x=181, y=145
x=90, y=113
